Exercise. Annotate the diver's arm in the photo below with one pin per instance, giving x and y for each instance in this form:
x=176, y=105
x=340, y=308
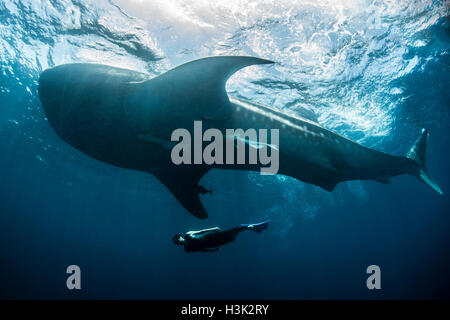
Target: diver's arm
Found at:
x=194, y=233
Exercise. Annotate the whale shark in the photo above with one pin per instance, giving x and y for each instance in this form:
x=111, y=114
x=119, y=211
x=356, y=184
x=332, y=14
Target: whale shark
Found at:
x=125, y=118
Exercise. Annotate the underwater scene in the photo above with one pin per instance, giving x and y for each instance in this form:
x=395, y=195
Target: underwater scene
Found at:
x=353, y=94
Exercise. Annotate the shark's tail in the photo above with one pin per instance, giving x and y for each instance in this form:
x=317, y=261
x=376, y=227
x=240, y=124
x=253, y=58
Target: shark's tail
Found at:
x=257, y=227
x=417, y=154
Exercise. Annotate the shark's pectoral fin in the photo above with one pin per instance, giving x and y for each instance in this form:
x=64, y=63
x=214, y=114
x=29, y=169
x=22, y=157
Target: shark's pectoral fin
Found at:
x=182, y=183
x=202, y=83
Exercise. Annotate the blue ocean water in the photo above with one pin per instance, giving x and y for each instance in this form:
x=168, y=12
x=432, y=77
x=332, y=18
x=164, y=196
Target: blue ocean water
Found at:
x=374, y=71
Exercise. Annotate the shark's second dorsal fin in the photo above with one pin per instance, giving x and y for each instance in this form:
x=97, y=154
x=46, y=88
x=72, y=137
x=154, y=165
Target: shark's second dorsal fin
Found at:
x=201, y=83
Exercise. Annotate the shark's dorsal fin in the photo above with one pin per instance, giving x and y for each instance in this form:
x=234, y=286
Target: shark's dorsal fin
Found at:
x=182, y=183
x=202, y=83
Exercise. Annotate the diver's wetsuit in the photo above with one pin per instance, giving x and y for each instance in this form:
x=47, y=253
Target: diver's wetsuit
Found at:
x=210, y=239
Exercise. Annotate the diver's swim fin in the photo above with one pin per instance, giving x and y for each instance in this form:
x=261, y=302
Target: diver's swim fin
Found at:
x=257, y=227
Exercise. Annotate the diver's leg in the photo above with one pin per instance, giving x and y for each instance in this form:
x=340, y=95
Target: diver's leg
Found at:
x=231, y=234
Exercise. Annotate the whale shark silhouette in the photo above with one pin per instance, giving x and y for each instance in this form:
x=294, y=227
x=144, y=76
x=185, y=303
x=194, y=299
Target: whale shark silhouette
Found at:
x=124, y=118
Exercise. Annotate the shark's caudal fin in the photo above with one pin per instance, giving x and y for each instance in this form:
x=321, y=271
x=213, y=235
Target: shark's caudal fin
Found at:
x=417, y=154
x=257, y=227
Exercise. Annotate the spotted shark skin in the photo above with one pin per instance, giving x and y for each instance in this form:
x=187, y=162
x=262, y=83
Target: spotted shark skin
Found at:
x=124, y=118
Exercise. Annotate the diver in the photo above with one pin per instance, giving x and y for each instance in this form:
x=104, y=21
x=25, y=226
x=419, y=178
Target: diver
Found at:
x=209, y=240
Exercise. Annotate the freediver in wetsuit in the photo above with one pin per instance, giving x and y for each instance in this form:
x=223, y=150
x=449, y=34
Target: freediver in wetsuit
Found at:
x=209, y=240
